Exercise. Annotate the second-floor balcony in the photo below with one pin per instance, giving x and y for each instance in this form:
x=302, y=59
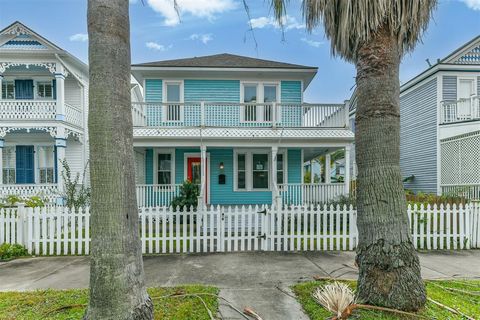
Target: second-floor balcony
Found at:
x=461, y=110
x=42, y=110
x=225, y=114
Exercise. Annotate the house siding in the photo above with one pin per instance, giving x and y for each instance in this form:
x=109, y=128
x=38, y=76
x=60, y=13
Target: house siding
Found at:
x=149, y=166
x=153, y=93
x=418, y=137
x=449, y=88
x=291, y=92
x=294, y=159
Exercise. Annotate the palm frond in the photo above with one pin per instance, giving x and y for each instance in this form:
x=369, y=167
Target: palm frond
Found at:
x=350, y=23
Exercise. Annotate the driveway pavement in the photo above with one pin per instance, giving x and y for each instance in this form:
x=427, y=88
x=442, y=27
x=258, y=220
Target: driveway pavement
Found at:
x=259, y=280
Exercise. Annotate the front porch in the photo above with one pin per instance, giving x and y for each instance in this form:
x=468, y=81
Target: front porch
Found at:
x=241, y=175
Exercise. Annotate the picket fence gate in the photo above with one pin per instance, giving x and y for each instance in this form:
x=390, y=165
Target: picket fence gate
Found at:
x=60, y=231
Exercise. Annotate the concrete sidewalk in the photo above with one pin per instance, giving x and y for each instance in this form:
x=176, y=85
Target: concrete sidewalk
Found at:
x=260, y=280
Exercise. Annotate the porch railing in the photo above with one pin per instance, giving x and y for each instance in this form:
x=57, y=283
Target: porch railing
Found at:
x=27, y=109
x=468, y=191
x=303, y=193
x=227, y=114
x=149, y=195
x=73, y=115
x=460, y=110
x=47, y=191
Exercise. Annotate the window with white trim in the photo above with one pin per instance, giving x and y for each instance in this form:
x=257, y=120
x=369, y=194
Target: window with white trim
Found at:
x=241, y=171
x=8, y=160
x=280, y=168
x=260, y=171
x=8, y=90
x=164, y=168
x=46, y=164
x=173, y=99
x=45, y=89
x=257, y=99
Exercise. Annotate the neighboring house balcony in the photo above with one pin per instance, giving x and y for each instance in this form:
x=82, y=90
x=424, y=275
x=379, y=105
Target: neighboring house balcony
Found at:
x=461, y=110
x=46, y=191
x=221, y=114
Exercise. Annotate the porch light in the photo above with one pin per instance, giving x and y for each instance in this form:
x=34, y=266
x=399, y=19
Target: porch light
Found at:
x=221, y=166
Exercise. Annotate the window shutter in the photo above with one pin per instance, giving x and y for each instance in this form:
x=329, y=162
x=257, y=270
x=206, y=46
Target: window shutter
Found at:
x=25, y=167
x=24, y=89
x=54, y=92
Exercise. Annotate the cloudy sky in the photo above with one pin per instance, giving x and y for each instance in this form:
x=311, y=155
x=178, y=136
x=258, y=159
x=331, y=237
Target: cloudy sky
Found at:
x=215, y=26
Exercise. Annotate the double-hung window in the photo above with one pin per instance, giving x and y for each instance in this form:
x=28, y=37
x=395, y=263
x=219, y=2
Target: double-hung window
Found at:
x=8, y=160
x=8, y=90
x=164, y=168
x=46, y=164
x=253, y=171
x=258, y=99
x=173, y=100
x=45, y=89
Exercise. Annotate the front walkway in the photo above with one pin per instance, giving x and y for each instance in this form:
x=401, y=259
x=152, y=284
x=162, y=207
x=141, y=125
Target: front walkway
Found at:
x=259, y=280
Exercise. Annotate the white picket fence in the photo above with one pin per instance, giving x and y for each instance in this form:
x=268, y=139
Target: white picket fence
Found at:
x=59, y=231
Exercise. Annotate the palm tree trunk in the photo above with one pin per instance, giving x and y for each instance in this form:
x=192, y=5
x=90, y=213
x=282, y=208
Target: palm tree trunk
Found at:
x=117, y=281
x=389, y=269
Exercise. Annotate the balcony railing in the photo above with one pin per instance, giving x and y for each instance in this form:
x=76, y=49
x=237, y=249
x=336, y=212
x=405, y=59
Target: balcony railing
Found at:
x=467, y=191
x=221, y=114
x=45, y=191
x=73, y=115
x=460, y=110
x=149, y=195
x=304, y=193
x=27, y=109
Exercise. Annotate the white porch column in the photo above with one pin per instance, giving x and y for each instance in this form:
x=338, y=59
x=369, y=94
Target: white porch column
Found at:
x=275, y=194
x=2, y=144
x=60, y=92
x=328, y=178
x=203, y=185
x=61, y=144
x=347, y=170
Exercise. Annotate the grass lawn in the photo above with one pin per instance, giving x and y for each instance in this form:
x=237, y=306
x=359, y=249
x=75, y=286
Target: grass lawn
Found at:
x=46, y=304
x=468, y=304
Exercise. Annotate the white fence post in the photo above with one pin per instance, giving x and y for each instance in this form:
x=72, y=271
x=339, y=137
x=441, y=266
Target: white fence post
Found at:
x=20, y=224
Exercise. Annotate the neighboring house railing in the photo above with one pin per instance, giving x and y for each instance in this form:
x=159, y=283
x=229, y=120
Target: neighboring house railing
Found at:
x=60, y=231
x=27, y=110
x=73, y=115
x=47, y=191
x=460, y=110
x=468, y=191
x=149, y=195
x=317, y=193
x=226, y=114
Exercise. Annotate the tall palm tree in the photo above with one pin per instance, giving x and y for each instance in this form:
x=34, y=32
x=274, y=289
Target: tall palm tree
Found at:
x=117, y=282
x=374, y=35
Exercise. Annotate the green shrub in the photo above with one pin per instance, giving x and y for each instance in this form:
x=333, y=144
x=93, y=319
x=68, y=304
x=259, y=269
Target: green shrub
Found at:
x=76, y=194
x=188, y=197
x=9, y=251
x=13, y=200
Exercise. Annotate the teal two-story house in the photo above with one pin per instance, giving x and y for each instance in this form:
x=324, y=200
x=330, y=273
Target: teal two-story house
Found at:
x=236, y=126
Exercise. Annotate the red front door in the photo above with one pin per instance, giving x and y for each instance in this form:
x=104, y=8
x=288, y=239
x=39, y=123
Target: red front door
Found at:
x=194, y=172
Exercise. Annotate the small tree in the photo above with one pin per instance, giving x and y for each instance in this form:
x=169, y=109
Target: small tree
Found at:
x=188, y=197
x=76, y=194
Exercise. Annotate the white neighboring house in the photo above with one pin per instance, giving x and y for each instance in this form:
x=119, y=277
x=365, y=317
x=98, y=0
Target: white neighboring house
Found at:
x=43, y=112
x=440, y=125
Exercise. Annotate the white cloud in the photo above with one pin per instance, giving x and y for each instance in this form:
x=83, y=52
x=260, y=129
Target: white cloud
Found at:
x=472, y=4
x=204, y=38
x=312, y=43
x=82, y=37
x=197, y=8
x=288, y=23
x=156, y=46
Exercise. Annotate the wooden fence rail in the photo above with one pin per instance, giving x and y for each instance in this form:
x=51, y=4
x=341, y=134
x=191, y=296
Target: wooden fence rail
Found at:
x=60, y=231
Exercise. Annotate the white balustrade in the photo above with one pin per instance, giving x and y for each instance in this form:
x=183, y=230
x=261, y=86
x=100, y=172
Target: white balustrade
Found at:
x=304, y=193
x=231, y=114
x=73, y=115
x=460, y=110
x=27, y=110
x=467, y=191
x=156, y=194
x=45, y=191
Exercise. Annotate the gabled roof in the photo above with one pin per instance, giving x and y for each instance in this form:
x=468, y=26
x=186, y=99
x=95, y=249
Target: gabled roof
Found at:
x=223, y=60
x=469, y=53
x=19, y=36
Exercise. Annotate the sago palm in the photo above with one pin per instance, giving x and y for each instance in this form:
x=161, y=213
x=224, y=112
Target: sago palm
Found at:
x=374, y=35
